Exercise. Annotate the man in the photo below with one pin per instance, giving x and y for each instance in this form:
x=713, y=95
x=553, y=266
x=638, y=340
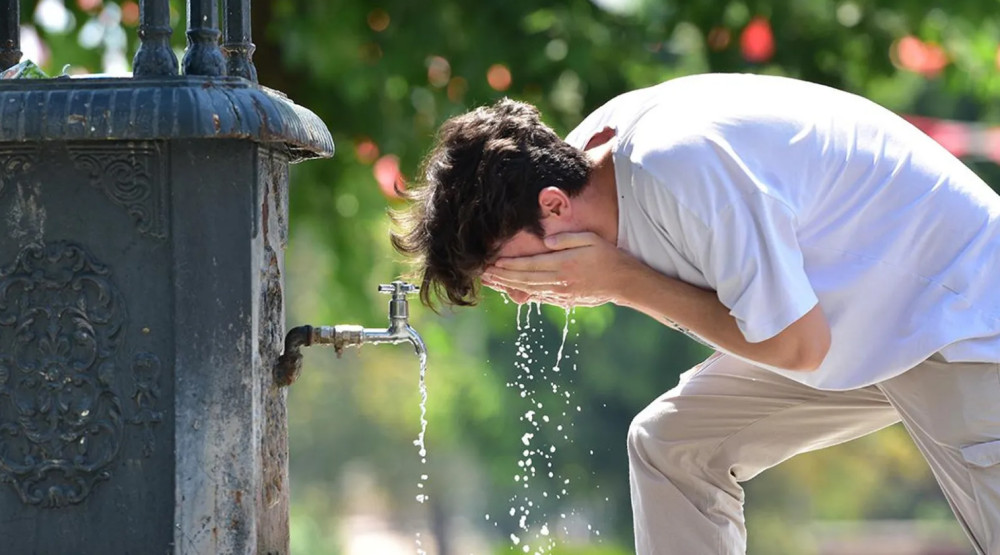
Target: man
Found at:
x=841, y=262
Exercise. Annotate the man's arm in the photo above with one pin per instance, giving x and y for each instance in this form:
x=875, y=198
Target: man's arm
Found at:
x=800, y=346
x=585, y=267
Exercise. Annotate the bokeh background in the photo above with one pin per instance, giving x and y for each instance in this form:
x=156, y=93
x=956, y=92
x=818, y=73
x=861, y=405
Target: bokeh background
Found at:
x=383, y=75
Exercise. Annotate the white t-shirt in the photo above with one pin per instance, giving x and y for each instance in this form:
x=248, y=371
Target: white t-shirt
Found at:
x=778, y=193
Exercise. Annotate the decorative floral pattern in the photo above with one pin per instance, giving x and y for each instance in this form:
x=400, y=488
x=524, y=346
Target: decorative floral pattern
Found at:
x=131, y=178
x=61, y=328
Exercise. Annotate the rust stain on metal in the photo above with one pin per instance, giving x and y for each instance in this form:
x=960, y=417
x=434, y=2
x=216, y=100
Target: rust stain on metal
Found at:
x=265, y=127
x=265, y=211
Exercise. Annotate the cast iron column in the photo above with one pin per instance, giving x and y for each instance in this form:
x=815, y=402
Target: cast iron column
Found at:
x=236, y=40
x=203, y=56
x=10, y=34
x=154, y=58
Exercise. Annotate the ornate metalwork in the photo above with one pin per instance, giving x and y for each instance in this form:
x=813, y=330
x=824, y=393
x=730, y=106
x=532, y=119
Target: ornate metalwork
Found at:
x=131, y=178
x=146, y=371
x=10, y=33
x=203, y=55
x=154, y=58
x=25, y=214
x=16, y=162
x=61, y=424
x=236, y=40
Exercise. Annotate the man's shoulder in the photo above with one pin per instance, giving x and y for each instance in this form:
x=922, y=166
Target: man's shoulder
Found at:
x=680, y=95
x=621, y=113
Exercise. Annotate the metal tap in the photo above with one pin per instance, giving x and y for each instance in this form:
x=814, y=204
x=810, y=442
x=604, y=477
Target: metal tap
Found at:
x=348, y=335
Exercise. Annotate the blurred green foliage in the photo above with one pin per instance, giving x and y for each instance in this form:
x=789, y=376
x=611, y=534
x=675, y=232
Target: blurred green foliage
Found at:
x=384, y=75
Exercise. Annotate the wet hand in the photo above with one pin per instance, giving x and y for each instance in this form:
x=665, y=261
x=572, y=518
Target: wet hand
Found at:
x=519, y=297
x=582, y=269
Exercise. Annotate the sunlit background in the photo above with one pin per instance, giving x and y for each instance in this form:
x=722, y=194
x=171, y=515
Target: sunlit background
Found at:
x=383, y=76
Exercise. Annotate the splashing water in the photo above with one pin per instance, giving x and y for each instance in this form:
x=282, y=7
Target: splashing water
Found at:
x=528, y=509
x=559, y=355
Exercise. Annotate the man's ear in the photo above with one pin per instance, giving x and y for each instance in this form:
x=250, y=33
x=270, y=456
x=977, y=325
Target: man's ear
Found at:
x=555, y=202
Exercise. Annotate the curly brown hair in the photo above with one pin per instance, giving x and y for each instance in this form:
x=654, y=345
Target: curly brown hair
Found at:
x=480, y=188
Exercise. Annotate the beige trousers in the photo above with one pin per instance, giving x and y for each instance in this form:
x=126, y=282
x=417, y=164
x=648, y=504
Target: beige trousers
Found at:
x=727, y=420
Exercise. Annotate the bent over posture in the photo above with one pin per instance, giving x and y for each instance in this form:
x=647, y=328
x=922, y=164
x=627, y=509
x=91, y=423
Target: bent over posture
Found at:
x=842, y=264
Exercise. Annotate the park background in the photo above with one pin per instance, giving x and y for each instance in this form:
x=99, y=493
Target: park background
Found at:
x=383, y=75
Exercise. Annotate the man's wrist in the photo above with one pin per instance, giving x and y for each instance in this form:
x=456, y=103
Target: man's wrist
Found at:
x=629, y=279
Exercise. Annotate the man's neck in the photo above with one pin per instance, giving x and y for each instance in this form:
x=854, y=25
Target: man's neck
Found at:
x=598, y=201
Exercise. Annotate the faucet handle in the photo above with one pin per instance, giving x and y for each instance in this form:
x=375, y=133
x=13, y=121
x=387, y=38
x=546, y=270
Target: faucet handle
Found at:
x=398, y=289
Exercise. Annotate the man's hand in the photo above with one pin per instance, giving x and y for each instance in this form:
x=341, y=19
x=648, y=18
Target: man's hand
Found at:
x=581, y=270
x=585, y=270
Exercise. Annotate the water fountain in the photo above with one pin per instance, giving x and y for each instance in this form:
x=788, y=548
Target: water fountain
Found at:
x=142, y=296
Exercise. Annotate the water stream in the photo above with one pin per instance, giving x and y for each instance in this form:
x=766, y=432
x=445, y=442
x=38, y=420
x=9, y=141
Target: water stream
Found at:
x=419, y=442
x=535, y=531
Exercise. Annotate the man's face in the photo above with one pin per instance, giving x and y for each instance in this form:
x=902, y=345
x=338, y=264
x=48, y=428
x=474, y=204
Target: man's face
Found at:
x=525, y=243
x=558, y=216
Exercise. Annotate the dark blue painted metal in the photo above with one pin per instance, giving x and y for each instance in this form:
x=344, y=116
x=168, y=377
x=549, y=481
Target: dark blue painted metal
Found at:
x=10, y=34
x=157, y=109
x=236, y=40
x=142, y=225
x=154, y=58
x=203, y=55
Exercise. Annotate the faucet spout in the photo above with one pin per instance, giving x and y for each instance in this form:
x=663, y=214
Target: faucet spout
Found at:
x=399, y=331
x=418, y=342
x=400, y=334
